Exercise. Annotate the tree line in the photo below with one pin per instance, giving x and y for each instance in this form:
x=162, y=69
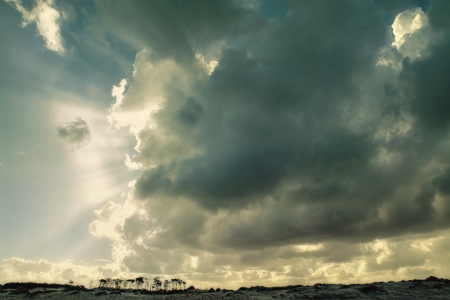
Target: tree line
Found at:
x=141, y=283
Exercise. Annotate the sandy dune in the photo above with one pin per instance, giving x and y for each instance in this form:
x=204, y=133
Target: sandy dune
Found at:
x=431, y=288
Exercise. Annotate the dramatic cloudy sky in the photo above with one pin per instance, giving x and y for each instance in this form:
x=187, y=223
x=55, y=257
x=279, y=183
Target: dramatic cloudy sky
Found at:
x=229, y=143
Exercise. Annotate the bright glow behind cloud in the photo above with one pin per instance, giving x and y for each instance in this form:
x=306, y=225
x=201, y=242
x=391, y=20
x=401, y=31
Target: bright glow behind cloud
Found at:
x=146, y=93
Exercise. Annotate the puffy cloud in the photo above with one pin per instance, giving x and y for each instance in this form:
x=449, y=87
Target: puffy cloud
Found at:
x=331, y=262
x=108, y=218
x=406, y=23
x=22, y=270
x=76, y=133
x=412, y=32
x=47, y=19
x=23, y=266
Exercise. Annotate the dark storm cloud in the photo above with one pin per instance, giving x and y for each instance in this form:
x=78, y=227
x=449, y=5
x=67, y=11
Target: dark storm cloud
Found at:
x=191, y=112
x=268, y=114
x=438, y=14
x=76, y=133
x=273, y=142
x=174, y=29
x=428, y=80
x=442, y=182
x=393, y=8
x=151, y=181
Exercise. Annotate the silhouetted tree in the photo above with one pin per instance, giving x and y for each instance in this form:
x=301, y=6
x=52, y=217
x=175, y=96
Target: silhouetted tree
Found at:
x=157, y=283
x=147, y=283
x=139, y=282
x=166, y=284
x=117, y=283
x=124, y=284
x=174, y=282
x=102, y=283
x=109, y=282
x=130, y=283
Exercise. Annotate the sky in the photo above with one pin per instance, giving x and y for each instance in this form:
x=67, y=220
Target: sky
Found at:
x=226, y=143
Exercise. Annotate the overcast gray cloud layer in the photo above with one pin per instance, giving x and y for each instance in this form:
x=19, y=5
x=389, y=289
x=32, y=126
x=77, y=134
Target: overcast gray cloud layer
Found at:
x=311, y=133
x=275, y=117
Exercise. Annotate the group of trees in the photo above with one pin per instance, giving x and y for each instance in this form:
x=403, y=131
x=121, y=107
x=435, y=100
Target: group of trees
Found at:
x=143, y=283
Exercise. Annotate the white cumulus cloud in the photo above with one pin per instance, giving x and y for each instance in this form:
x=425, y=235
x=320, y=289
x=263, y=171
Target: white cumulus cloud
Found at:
x=411, y=32
x=47, y=19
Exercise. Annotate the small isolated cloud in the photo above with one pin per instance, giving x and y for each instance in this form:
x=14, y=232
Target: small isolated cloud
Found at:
x=76, y=133
x=46, y=17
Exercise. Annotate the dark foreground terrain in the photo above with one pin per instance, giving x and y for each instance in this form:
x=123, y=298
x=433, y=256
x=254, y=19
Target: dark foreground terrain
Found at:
x=430, y=288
